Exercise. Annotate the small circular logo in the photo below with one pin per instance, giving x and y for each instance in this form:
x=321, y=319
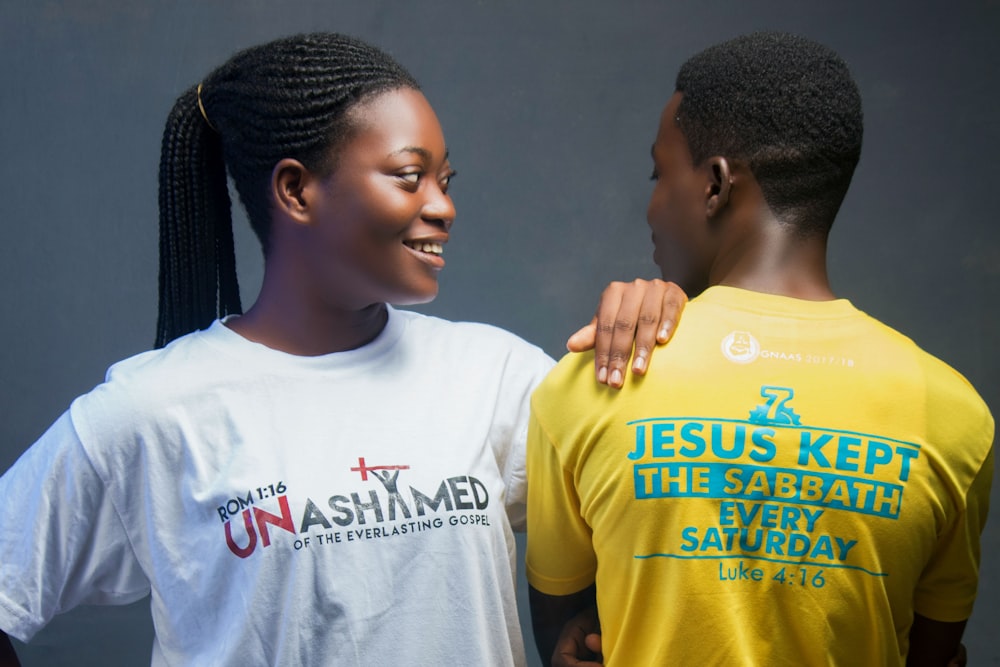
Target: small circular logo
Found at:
x=740, y=347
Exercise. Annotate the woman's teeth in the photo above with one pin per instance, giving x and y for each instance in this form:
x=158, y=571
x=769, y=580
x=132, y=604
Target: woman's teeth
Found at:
x=433, y=248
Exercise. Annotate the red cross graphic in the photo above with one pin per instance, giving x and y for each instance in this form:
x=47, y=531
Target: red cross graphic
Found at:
x=365, y=469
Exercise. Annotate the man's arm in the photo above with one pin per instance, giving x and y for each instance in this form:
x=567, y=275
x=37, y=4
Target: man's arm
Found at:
x=955, y=565
x=630, y=316
x=935, y=643
x=7, y=656
x=552, y=614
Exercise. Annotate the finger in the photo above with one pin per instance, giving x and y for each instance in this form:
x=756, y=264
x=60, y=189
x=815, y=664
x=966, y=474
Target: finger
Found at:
x=623, y=330
x=583, y=339
x=605, y=319
x=673, y=302
x=570, y=649
x=593, y=642
x=960, y=660
x=649, y=324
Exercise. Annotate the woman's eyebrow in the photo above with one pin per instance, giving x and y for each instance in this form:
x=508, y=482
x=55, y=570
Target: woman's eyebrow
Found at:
x=422, y=152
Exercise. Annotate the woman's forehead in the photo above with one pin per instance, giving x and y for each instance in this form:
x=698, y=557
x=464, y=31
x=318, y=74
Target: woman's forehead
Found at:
x=398, y=121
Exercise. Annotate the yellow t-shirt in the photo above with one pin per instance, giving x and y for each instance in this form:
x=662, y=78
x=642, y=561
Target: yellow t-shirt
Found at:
x=787, y=485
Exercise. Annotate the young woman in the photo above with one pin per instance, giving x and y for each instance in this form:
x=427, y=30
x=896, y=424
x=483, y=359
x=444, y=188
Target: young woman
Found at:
x=323, y=479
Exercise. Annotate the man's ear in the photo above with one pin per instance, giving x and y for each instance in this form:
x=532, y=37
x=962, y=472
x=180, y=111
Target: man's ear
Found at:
x=290, y=188
x=719, y=186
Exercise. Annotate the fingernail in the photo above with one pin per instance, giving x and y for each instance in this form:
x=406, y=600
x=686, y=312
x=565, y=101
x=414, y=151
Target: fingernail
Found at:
x=664, y=332
x=639, y=365
x=616, y=378
x=602, y=374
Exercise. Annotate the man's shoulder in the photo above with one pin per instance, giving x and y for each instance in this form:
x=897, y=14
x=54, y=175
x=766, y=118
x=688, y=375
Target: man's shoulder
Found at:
x=571, y=390
x=940, y=378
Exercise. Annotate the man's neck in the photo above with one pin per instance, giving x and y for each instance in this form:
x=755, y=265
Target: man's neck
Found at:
x=759, y=252
x=795, y=269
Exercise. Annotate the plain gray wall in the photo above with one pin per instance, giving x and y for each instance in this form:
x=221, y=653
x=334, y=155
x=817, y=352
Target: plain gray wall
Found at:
x=549, y=109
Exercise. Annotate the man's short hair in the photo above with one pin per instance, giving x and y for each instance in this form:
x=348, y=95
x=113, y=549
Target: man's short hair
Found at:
x=789, y=108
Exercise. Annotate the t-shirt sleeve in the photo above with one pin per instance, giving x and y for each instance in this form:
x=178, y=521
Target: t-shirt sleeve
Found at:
x=62, y=542
x=526, y=367
x=965, y=428
x=560, y=556
x=947, y=587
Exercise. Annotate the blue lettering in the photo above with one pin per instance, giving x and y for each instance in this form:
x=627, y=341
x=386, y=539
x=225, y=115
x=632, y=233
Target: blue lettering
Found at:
x=640, y=443
x=823, y=547
x=904, y=467
x=769, y=516
x=747, y=517
x=848, y=450
x=761, y=438
x=718, y=442
x=809, y=448
x=844, y=546
x=662, y=435
x=879, y=453
x=712, y=539
x=745, y=544
x=690, y=433
x=798, y=544
x=775, y=540
x=690, y=537
x=726, y=512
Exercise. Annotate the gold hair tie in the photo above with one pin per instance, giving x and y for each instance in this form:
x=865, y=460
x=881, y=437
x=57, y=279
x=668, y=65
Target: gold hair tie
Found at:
x=201, y=107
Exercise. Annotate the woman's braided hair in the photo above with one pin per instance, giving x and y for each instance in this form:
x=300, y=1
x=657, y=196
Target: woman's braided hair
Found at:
x=285, y=99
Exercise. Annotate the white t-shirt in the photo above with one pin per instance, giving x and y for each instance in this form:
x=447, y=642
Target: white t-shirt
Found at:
x=353, y=508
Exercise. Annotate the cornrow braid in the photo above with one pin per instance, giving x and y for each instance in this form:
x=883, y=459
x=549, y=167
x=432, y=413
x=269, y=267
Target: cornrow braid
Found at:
x=197, y=279
x=285, y=99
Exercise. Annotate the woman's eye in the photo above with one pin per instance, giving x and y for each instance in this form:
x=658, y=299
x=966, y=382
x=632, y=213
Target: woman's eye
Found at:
x=655, y=176
x=446, y=180
x=412, y=178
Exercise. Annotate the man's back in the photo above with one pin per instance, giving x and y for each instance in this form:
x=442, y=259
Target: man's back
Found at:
x=789, y=483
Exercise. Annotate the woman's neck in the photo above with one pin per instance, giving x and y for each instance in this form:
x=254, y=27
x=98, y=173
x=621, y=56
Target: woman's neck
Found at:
x=280, y=321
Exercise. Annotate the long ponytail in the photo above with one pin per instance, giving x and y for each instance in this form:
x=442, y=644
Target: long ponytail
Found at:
x=197, y=280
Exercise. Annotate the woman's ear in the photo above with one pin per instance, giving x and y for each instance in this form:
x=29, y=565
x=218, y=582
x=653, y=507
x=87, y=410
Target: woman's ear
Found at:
x=719, y=186
x=290, y=183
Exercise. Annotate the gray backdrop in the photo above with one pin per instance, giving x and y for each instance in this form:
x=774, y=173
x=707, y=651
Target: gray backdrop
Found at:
x=549, y=109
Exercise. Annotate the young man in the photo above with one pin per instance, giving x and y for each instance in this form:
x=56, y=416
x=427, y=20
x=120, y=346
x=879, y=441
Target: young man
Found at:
x=792, y=482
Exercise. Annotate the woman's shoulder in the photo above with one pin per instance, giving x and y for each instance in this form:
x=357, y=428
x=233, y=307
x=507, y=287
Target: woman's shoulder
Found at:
x=149, y=379
x=463, y=335
x=191, y=351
